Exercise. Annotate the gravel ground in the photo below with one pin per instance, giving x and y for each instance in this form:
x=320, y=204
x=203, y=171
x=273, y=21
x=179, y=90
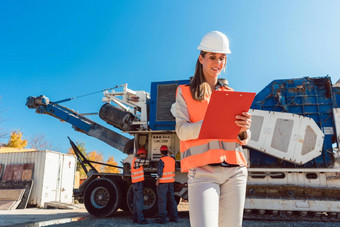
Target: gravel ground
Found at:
x=80, y=217
x=124, y=219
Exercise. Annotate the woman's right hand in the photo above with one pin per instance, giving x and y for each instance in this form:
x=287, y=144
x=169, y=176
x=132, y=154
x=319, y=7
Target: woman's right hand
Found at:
x=243, y=121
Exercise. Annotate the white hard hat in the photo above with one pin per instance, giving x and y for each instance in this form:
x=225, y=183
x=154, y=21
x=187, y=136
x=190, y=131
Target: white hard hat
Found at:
x=215, y=42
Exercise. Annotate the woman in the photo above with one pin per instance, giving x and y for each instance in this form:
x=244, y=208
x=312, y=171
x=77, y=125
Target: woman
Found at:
x=217, y=168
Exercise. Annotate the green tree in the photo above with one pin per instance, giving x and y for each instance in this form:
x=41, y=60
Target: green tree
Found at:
x=16, y=140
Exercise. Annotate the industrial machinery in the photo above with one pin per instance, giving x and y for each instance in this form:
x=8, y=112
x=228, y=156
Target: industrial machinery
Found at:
x=293, y=155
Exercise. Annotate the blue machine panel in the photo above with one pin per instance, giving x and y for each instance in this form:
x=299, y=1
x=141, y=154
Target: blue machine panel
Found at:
x=310, y=97
x=163, y=95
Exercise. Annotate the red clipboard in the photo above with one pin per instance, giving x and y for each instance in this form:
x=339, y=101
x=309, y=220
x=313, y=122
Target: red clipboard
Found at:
x=220, y=117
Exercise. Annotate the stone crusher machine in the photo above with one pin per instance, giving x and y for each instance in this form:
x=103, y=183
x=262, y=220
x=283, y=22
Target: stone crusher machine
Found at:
x=293, y=155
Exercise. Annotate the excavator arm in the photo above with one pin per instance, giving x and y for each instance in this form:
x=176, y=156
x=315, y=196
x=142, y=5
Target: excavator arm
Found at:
x=80, y=123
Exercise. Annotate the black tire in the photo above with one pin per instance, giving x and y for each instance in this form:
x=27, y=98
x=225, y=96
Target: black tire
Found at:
x=102, y=197
x=129, y=199
x=150, y=199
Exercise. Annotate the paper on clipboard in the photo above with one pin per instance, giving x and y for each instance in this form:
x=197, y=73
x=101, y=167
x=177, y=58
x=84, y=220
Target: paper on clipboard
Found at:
x=219, y=119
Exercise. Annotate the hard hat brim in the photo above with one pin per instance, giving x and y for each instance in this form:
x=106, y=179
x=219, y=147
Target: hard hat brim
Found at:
x=214, y=51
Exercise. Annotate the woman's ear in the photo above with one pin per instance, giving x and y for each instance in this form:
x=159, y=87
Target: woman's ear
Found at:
x=200, y=58
x=225, y=64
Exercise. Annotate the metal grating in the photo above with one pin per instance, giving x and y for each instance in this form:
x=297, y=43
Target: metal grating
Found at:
x=166, y=96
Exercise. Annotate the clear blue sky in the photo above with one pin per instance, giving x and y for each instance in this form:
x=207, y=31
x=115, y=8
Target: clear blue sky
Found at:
x=68, y=48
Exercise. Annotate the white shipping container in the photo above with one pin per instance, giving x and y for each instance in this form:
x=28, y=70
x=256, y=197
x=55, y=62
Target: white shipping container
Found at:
x=53, y=173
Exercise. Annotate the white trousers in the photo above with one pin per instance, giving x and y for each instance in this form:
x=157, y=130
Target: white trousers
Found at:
x=216, y=196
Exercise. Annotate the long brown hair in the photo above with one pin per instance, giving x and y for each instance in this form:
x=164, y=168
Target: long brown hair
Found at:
x=199, y=87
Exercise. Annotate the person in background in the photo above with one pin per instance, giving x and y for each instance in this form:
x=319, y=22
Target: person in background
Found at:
x=217, y=173
x=165, y=187
x=137, y=179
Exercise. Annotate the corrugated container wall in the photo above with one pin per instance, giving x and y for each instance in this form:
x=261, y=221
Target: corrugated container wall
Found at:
x=53, y=174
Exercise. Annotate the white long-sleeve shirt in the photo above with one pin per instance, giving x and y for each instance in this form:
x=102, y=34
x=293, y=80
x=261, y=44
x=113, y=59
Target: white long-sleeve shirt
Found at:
x=187, y=130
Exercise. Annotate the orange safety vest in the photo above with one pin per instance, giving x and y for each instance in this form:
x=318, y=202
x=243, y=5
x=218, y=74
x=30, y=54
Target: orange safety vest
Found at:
x=168, y=175
x=137, y=175
x=199, y=152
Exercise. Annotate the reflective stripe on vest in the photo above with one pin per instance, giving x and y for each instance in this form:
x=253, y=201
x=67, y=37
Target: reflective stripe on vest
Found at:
x=199, y=152
x=137, y=175
x=168, y=175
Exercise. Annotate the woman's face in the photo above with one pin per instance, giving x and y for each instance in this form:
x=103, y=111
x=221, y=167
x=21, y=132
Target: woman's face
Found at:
x=212, y=63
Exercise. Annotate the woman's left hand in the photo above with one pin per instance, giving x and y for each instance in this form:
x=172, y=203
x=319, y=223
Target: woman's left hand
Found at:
x=243, y=121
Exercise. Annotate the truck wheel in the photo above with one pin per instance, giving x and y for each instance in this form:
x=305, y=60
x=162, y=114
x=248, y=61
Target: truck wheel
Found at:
x=102, y=197
x=150, y=199
x=129, y=199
